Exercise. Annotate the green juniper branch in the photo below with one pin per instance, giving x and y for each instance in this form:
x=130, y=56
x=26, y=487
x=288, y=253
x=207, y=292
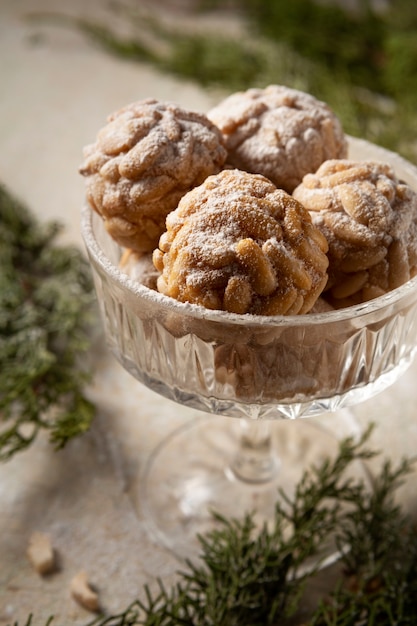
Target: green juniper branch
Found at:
x=254, y=577
x=380, y=585
x=46, y=298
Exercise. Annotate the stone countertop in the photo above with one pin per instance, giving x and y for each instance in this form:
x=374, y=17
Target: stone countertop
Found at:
x=56, y=94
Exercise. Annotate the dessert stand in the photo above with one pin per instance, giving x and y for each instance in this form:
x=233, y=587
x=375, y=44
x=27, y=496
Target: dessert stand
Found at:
x=266, y=371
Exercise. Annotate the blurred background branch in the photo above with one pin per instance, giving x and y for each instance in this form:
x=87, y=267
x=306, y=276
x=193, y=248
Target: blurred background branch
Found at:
x=362, y=60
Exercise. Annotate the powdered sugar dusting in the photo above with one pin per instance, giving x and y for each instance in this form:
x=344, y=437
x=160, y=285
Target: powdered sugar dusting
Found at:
x=279, y=132
x=237, y=243
x=147, y=157
x=369, y=218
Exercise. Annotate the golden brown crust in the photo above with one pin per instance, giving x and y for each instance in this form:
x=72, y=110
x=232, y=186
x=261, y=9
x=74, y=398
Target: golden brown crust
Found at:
x=144, y=160
x=369, y=218
x=237, y=243
x=279, y=132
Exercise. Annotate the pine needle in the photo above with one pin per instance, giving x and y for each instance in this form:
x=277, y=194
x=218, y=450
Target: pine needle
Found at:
x=46, y=297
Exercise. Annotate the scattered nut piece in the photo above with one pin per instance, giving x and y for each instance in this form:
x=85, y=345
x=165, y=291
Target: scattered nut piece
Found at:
x=83, y=593
x=41, y=554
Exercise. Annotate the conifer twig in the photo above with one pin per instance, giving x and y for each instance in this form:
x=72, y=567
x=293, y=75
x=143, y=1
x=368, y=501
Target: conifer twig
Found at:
x=46, y=305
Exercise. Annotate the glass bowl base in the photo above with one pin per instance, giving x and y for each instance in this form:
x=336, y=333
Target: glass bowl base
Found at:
x=201, y=469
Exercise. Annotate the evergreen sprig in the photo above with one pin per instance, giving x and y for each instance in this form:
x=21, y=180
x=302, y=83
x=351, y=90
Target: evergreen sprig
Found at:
x=380, y=583
x=252, y=577
x=248, y=576
x=46, y=297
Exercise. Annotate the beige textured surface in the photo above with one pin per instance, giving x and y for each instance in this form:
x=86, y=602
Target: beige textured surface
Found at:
x=54, y=97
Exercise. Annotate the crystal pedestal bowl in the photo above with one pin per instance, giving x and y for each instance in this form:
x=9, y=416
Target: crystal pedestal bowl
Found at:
x=255, y=368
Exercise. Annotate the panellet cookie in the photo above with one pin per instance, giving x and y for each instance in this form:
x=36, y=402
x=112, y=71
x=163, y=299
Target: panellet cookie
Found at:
x=145, y=159
x=239, y=244
x=279, y=132
x=369, y=218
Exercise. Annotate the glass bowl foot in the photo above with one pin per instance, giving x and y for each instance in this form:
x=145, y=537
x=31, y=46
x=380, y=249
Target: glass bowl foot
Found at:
x=231, y=467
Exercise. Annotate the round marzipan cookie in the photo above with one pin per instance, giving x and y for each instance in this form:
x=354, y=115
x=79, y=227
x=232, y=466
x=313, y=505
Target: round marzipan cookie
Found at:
x=145, y=159
x=369, y=218
x=279, y=132
x=239, y=244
